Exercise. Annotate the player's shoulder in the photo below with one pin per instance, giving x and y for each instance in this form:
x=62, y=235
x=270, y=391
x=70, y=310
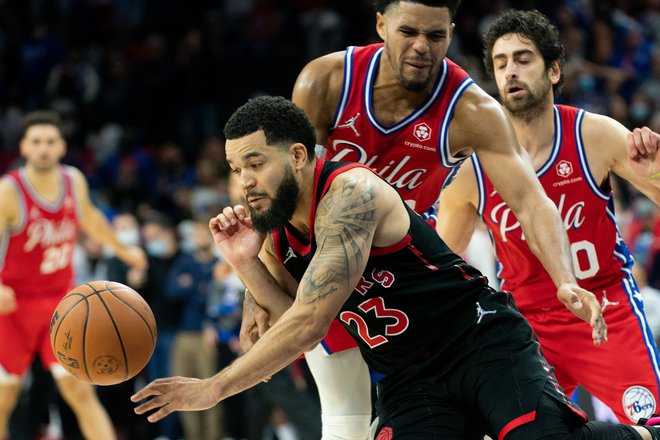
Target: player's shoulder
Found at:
x=476, y=111
x=74, y=173
x=358, y=177
x=9, y=198
x=7, y=187
x=599, y=131
x=323, y=71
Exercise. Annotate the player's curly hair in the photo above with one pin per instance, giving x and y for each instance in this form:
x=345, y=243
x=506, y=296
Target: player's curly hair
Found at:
x=382, y=5
x=282, y=121
x=535, y=27
x=42, y=117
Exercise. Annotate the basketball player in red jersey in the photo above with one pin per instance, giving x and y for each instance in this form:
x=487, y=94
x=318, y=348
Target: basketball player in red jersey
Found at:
x=412, y=115
x=43, y=205
x=573, y=152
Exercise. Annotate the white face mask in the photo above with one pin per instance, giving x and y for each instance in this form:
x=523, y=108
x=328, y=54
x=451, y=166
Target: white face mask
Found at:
x=129, y=237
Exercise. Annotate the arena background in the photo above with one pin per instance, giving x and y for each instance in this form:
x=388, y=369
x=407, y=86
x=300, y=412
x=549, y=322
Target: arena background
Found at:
x=145, y=86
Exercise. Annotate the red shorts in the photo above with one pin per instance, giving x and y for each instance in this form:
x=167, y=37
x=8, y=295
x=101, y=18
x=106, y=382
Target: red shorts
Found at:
x=338, y=339
x=623, y=372
x=24, y=333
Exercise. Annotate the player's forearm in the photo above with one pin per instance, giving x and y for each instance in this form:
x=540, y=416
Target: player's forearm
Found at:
x=546, y=237
x=292, y=335
x=264, y=288
x=95, y=224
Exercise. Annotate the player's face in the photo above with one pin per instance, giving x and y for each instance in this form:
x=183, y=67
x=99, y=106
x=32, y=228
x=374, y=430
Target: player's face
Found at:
x=523, y=81
x=43, y=147
x=265, y=179
x=416, y=40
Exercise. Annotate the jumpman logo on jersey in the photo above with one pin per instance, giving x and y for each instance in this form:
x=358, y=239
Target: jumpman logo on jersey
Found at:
x=289, y=255
x=481, y=313
x=350, y=123
x=605, y=302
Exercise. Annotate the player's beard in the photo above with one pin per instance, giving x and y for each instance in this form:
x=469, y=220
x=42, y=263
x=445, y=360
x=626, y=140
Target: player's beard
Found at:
x=412, y=85
x=282, y=206
x=532, y=103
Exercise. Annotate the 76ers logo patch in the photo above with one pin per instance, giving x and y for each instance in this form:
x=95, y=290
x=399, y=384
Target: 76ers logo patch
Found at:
x=638, y=402
x=385, y=434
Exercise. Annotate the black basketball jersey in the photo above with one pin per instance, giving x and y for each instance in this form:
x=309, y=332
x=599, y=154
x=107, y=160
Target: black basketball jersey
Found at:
x=414, y=299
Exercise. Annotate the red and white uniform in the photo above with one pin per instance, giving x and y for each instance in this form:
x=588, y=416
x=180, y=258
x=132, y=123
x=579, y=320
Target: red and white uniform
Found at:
x=413, y=155
x=624, y=372
x=35, y=260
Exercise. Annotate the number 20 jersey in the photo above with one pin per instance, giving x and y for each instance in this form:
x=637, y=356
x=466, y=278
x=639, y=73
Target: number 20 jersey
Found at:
x=408, y=293
x=600, y=256
x=35, y=256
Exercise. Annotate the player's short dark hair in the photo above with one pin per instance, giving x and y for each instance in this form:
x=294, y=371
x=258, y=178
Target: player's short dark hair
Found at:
x=42, y=117
x=282, y=122
x=382, y=5
x=535, y=27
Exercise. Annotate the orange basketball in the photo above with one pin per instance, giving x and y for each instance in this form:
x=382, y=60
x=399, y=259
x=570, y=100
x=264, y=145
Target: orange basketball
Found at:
x=103, y=332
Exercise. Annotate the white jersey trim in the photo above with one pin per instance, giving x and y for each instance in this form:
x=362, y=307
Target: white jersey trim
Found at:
x=43, y=203
x=583, y=158
x=634, y=297
x=481, y=186
x=368, y=96
x=556, y=147
x=447, y=159
x=346, y=85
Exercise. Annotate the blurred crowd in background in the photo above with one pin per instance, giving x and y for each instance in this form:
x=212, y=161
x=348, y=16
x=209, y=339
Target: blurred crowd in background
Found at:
x=144, y=88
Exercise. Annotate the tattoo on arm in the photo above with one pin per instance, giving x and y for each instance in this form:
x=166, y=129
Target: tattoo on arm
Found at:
x=344, y=228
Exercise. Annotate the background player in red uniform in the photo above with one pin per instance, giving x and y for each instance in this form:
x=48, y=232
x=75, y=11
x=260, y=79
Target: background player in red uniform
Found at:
x=43, y=205
x=574, y=153
x=412, y=115
x=459, y=360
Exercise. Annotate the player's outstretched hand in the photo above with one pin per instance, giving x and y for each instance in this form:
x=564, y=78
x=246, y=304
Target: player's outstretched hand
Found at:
x=584, y=305
x=233, y=234
x=175, y=394
x=643, y=146
x=7, y=300
x=254, y=324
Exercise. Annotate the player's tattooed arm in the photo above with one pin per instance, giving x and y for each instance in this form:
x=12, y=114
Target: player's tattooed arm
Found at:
x=345, y=224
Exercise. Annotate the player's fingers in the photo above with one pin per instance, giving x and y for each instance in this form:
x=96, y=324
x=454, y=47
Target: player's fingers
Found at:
x=632, y=149
x=647, y=142
x=230, y=215
x=152, y=404
x=262, y=323
x=160, y=414
x=638, y=142
x=155, y=388
x=245, y=338
x=241, y=212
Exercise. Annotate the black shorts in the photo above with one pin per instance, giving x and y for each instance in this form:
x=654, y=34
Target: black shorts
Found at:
x=494, y=388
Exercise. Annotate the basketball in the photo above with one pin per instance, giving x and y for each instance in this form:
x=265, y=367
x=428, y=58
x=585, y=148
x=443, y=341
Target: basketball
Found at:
x=103, y=332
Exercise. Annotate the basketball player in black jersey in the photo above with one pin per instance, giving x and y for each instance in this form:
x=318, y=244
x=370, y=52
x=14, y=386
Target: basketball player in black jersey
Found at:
x=458, y=359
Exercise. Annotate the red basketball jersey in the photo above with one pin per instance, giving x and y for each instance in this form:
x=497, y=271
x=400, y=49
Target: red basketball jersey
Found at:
x=36, y=255
x=413, y=154
x=600, y=256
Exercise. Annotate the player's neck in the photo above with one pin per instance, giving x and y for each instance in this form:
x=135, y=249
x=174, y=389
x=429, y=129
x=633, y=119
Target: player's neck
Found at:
x=391, y=101
x=301, y=216
x=45, y=182
x=537, y=134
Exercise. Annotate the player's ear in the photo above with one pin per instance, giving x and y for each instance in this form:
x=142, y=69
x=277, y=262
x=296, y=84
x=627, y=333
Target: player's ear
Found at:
x=380, y=25
x=554, y=72
x=299, y=153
